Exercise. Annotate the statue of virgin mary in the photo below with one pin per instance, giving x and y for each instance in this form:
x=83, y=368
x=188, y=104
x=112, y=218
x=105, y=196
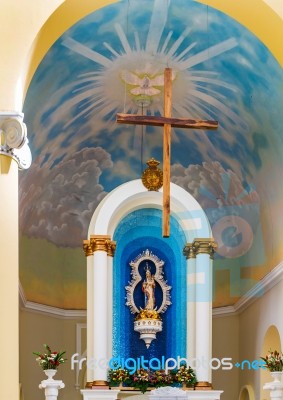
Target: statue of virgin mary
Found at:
x=148, y=287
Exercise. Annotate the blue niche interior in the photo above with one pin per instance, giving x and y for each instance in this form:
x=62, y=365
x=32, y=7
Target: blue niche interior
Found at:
x=137, y=232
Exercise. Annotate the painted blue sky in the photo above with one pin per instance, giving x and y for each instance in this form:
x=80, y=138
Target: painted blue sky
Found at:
x=113, y=61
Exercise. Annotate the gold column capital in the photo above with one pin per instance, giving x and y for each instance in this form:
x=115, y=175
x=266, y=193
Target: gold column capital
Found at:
x=99, y=242
x=87, y=248
x=189, y=251
x=205, y=246
x=111, y=247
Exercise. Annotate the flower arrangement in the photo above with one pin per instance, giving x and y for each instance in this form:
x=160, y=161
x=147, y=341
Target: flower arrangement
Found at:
x=185, y=375
x=273, y=361
x=143, y=379
x=50, y=359
x=118, y=376
x=161, y=378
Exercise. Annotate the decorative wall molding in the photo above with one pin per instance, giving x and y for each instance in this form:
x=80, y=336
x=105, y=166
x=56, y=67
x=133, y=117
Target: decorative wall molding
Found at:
x=48, y=310
x=266, y=284
x=225, y=311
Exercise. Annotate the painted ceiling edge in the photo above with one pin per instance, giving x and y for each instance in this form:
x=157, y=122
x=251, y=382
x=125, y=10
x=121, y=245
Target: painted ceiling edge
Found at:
x=63, y=18
x=256, y=15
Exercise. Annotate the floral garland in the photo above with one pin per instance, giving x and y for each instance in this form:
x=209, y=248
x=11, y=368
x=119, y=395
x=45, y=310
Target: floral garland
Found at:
x=142, y=379
x=51, y=359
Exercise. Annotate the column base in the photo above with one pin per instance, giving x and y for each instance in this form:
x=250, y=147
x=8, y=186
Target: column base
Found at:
x=204, y=395
x=100, y=383
x=99, y=394
x=97, y=385
x=173, y=393
x=276, y=390
x=202, y=385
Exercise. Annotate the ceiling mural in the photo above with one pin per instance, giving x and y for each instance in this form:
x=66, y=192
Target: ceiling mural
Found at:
x=113, y=61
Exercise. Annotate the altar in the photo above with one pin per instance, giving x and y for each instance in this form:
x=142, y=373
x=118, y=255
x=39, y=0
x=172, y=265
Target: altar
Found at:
x=157, y=394
x=179, y=394
x=149, y=300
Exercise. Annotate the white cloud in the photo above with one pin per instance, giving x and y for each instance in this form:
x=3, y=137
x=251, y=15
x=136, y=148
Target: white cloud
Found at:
x=57, y=204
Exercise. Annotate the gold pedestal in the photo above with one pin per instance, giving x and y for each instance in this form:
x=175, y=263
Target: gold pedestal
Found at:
x=203, y=386
x=97, y=385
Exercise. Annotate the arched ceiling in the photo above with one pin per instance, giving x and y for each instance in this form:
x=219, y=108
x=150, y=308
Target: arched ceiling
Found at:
x=106, y=63
x=266, y=24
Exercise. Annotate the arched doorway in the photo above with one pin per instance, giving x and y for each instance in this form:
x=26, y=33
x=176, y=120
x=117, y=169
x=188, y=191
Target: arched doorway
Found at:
x=271, y=341
x=247, y=393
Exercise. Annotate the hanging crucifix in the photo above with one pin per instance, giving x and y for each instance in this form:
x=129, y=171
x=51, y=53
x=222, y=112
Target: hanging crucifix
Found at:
x=167, y=122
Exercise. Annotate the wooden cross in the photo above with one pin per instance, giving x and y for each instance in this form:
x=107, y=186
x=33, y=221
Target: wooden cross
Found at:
x=167, y=122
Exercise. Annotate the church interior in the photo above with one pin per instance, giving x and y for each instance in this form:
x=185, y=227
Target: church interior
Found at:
x=89, y=246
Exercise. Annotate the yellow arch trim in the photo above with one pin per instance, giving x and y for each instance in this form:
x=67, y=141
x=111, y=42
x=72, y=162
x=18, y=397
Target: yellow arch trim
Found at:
x=258, y=18
x=66, y=15
x=249, y=389
x=255, y=15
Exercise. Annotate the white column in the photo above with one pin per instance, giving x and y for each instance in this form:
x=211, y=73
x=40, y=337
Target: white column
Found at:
x=9, y=282
x=51, y=387
x=275, y=388
x=100, y=314
x=110, y=307
x=98, y=249
x=12, y=136
x=191, y=303
x=204, y=249
x=90, y=313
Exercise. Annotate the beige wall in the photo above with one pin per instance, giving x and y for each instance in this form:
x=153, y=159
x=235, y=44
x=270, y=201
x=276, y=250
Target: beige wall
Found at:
x=237, y=336
x=243, y=336
x=60, y=334
x=225, y=333
x=254, y=323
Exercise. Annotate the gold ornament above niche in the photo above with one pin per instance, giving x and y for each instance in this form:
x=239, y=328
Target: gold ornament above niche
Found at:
x=152, y=177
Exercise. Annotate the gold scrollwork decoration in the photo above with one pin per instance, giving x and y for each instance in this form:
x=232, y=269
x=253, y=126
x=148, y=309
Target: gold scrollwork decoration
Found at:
x=87, y=248
x=111, y=247
x=147, y=314
x=189, y=251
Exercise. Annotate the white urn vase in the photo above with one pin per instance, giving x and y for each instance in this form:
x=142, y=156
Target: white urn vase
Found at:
x=50, y=373
x=277, y=376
